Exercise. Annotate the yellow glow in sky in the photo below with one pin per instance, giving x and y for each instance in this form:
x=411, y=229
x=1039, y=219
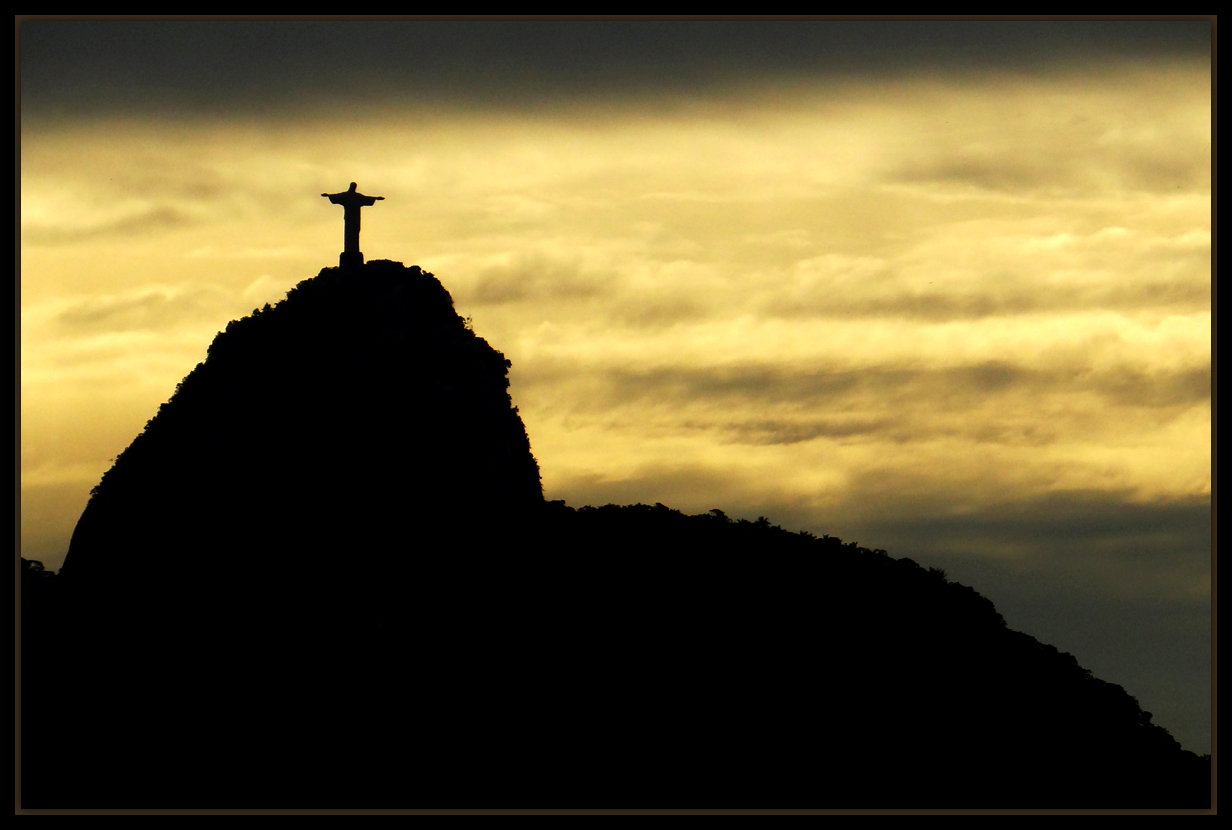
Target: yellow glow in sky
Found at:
x=835, y=299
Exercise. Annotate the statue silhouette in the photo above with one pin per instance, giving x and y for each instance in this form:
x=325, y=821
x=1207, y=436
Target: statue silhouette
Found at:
x=351, y=201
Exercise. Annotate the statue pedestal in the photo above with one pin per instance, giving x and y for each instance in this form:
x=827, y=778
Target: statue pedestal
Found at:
x=350, y=259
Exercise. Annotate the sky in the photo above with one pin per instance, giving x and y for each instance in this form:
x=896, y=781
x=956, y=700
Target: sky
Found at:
x=941, y=288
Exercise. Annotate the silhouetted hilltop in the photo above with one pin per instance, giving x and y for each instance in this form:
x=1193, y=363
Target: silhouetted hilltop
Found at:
x=325, y=576
x=339, y=420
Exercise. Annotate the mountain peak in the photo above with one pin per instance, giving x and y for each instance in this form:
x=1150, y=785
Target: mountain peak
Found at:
x=325, y=575
x=363, y=393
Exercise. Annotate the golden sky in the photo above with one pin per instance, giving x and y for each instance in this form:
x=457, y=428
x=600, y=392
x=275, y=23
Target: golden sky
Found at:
x=942, y=306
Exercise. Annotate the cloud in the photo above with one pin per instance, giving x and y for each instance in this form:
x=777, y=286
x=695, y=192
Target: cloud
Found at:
x=253, y=66
x=1063, y=139
x=1107, y=542
x=213, y=252
x=145, y=221
x=940, y=305
x=533, y=279
x=150, y=309
x=794, y=432
x=883, y=388
x=1109, y=539
x=997, y=267
x=132, y=181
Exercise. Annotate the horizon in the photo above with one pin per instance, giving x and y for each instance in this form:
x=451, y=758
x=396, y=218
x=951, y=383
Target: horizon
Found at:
x=943, y=289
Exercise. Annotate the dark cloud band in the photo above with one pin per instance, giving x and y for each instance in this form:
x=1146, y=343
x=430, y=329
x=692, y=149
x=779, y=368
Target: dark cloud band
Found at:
x=185, y=66
x=911, y=388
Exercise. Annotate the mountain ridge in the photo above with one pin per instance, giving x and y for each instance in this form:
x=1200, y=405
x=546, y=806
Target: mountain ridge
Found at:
x=302, y=578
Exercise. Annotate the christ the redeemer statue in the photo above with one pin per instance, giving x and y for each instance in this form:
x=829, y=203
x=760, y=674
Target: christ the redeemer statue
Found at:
x=351, y=202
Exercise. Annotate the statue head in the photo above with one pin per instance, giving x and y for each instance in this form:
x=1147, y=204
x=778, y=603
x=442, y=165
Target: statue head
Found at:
x=351, y=189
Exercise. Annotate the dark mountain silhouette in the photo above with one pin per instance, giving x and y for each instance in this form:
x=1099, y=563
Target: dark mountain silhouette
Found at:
x=325, y=576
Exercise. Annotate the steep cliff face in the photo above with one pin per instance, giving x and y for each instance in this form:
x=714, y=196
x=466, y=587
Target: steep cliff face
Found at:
x=333, y=423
